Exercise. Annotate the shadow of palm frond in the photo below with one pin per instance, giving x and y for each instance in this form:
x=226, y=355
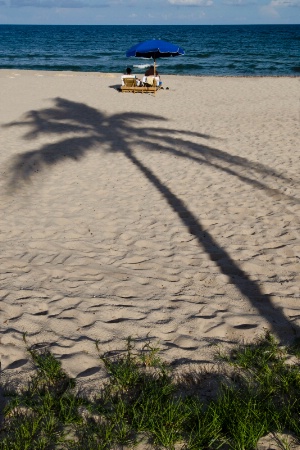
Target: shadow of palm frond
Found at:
x=209, y=154
x=246, y=178
x=25, y=165
x=83, y=129
x=95, y=128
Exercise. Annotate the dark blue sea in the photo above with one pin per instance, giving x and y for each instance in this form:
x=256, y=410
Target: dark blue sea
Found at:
x=222, y=50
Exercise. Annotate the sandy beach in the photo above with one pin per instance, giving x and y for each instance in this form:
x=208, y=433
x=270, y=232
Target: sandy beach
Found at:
x=173, y=218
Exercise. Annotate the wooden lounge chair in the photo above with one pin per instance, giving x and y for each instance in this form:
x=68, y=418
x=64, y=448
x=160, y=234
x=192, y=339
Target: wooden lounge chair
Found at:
x=130, y=86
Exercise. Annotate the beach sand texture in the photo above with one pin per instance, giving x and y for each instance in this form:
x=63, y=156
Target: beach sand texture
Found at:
x=174, y=217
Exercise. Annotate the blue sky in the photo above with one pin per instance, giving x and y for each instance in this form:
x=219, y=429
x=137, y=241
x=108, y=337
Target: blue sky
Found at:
x=152, y=12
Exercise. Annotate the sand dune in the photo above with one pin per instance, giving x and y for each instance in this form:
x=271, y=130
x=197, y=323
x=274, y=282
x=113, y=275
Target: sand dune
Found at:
x=174, y=218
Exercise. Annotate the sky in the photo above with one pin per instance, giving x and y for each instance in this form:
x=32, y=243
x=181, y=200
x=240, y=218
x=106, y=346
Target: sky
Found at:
x=149, y=12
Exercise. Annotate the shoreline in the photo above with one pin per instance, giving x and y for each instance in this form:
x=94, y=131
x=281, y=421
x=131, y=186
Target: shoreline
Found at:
x=138, y=73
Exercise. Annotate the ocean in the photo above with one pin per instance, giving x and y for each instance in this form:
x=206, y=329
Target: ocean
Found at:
x=219, y=50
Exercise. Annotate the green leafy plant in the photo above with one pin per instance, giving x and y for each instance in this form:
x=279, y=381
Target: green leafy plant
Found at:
x=141, y=402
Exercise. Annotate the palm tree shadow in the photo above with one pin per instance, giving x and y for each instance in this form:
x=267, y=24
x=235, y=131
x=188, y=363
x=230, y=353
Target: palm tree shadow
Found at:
x=83, y=129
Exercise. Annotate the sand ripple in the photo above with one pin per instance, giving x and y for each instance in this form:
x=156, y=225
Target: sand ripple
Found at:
x=175, y=219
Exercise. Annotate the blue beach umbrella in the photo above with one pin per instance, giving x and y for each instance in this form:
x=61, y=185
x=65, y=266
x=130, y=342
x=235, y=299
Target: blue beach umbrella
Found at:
x=155, y=48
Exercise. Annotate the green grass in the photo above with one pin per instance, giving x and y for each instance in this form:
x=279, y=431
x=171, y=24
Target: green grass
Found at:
x=141, y=402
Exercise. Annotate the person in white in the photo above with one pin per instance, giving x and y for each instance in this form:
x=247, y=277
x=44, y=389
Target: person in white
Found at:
x=150, y=76
x=128, y=74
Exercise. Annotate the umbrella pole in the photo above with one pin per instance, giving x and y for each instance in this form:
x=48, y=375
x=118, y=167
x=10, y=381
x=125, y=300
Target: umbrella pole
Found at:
x=154, y=70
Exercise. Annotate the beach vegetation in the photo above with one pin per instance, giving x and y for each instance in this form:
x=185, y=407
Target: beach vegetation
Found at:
x=144, y=404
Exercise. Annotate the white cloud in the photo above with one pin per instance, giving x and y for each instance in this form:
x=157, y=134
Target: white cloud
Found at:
x=269, y=11
x=284, y=3
x=239, y=2
x=191, y=2
x=57, y=4
x=123, y=2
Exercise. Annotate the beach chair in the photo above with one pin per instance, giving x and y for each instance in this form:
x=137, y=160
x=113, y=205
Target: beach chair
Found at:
x=131, y=86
